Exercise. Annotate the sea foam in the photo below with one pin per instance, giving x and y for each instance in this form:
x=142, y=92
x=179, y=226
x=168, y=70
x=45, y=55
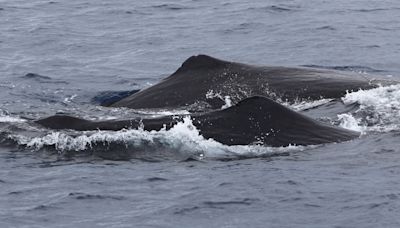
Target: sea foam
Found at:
x=379, y=109
x=184, y=138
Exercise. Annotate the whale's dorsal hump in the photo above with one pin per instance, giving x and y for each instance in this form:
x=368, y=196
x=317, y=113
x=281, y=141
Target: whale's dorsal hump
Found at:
x=258, y=103
x=201, y=61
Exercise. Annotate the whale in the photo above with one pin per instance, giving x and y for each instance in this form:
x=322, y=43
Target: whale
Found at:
x=255, y=120
x=234, y=103
x=206, y=83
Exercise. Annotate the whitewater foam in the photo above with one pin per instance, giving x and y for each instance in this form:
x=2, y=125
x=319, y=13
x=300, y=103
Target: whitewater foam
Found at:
x=184, y=138
x=348, y=121
x=304, y=105
x=227, y=99
x=379, y=109
x=6, y=118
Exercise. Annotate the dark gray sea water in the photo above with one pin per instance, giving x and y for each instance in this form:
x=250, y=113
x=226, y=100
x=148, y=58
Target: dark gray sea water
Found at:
x=55, y=56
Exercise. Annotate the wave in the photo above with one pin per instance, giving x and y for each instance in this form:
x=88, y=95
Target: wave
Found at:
x=171, y=7
x=276, y=8
x=7, y=118
x=43, y=79
x=355, y=68
x=375, y=10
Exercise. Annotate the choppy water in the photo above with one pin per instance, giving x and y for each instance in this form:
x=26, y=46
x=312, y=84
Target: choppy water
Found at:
x=57, y=55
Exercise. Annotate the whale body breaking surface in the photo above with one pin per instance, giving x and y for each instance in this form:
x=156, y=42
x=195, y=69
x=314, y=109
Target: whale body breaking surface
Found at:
x=206, y=80
x=255, y=120
x=255, y=115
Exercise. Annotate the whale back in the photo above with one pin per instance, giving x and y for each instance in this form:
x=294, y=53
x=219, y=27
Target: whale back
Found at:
x=206, y=80
x=255, y=120
x=259, y=120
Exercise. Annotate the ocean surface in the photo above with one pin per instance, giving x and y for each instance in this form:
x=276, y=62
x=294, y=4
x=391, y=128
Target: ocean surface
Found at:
x=56, y=56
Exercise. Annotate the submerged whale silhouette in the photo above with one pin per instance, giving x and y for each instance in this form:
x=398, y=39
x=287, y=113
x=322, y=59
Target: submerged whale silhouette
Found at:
x=204, y=81
x=255, y=120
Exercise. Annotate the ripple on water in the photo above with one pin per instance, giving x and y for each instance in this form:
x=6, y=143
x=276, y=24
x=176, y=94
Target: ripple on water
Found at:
x=85, y=196
x=276, y=8
x=154, y=179
x=206, y=205
x=43, y=207
x=171, y=7
x=43, y=79
x=352, y=68
x=375, y=10
x=326, y=27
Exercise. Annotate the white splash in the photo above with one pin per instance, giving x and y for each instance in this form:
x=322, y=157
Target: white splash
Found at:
x=303, y=105
x=227, y=99
x=379, y=108
x=6, y=118
x=156, y=113
x=183, y=138
x=381, y=98
x=70, y=98
x=228, y=102
x=348, y=121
